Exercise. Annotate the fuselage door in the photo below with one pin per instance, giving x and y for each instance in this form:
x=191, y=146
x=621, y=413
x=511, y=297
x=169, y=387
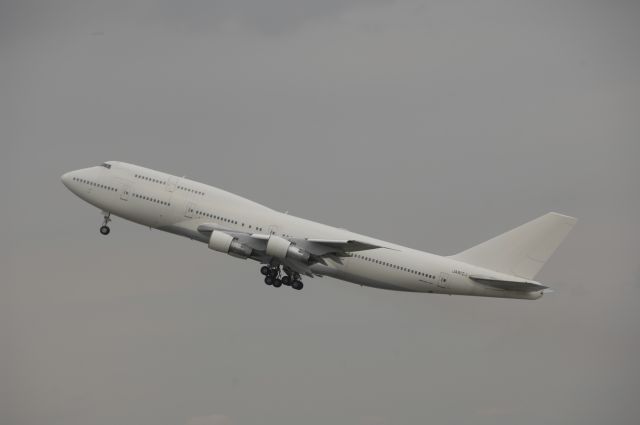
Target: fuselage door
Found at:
x=172, y=183
x=124, y=191
x=273, y=229
x=443, y=280
x=190, y=211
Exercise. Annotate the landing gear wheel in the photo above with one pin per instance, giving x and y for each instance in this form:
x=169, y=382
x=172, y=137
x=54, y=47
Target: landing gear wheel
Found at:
x=264, y=270
x=269, y=280
x=297, y=285
x=286, y=280
x=277, y=283
x=104, y=229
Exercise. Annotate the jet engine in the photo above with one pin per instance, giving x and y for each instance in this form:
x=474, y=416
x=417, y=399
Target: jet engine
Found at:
x=282, y=248
x=224, y=242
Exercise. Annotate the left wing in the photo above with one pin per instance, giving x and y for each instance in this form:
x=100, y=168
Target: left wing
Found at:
x=318, y=247
x=337, y=247
x=309, y=250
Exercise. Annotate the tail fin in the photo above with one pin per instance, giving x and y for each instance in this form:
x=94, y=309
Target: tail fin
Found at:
x=522, y=251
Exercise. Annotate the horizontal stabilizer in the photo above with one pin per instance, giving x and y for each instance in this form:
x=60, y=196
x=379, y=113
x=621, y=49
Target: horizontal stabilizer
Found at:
x=509, y=285
x=522, y=251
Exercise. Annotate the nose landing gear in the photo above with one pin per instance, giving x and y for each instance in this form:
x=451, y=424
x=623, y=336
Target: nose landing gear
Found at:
x=272, y=277
x=104, y=229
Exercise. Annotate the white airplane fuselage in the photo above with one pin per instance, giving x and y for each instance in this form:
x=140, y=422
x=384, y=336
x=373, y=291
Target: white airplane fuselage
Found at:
x=182, y=206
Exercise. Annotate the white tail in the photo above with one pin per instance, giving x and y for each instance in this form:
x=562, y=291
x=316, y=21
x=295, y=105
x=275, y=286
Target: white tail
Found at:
x=522, y=251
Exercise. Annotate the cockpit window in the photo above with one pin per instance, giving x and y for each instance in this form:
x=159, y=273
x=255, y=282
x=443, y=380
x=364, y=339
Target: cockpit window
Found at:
x=105, y=165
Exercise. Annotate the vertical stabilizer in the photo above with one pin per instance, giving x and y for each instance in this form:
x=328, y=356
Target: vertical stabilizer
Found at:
x=522, y=251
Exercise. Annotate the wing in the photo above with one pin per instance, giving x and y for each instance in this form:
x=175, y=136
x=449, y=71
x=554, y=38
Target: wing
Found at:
x=337, y=247
x=319, y=249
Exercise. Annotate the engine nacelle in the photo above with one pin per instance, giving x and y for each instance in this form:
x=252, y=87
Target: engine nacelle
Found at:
x=281, y=248
x=224, y=242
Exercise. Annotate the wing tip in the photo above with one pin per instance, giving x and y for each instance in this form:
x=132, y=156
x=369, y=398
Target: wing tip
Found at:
x=563, y=216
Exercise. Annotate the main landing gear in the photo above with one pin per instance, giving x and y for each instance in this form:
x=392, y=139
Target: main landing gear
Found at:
x=273, y=276
x=104, y=229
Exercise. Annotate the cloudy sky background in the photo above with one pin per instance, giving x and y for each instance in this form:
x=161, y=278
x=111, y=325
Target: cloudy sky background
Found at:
x=433, y=124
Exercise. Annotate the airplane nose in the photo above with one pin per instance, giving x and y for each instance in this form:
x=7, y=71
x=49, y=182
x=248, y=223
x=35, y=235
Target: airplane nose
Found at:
x=66, y=179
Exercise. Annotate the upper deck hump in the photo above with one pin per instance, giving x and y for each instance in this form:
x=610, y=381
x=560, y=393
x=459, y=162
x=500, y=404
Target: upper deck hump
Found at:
x=207, y=192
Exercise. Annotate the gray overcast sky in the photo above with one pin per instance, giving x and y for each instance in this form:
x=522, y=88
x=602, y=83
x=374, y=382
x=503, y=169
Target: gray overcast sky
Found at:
x=434, y=124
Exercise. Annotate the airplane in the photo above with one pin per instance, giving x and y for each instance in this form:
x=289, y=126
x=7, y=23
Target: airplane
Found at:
x=289, y=247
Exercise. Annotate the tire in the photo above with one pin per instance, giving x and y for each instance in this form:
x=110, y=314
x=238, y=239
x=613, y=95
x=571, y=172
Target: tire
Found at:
x=297, y=285
x=268, y=280
x=286, y=280
x=277, y=283
x=105, y=230
x=264, y=270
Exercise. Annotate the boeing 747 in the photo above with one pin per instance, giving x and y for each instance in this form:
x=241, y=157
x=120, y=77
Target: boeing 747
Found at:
x=290, y=248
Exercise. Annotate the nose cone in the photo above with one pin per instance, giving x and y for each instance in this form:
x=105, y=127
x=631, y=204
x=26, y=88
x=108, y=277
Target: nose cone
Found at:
x=66, y=179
